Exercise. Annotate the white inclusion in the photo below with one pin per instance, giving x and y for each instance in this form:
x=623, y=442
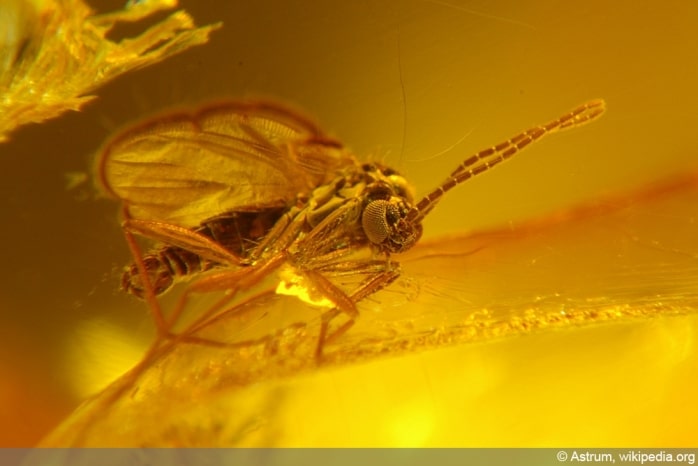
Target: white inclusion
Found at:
x=294, y=284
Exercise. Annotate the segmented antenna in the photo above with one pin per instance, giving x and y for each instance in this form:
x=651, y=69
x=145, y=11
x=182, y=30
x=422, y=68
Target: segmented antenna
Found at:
x=488, y=158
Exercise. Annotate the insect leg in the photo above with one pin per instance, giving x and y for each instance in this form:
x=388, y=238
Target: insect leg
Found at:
x=184, y=238
x=282, y=235
x=176, y=236
x=149, y=293
x=231, y=281
x=376, y=283
x=237, y=310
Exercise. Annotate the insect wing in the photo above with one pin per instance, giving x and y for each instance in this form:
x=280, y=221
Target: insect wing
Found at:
x=185, y=167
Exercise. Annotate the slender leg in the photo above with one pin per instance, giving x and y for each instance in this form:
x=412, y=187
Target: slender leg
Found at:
x=184, y=238
x=373, y=285
x=232, y=282
x=161, y=324
x=189, y=336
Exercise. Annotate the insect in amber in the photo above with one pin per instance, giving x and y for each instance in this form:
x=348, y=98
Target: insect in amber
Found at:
x=249, y=188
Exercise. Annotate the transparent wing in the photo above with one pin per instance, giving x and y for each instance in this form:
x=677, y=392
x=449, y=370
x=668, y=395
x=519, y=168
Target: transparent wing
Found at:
x=184, y=167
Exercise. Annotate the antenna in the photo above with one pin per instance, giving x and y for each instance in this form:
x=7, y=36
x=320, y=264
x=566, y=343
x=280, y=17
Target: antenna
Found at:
x=488, y=158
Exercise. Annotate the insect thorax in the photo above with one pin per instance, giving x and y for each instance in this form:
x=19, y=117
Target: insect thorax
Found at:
x=383, y=199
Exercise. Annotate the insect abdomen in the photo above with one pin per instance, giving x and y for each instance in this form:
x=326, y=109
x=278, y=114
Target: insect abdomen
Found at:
x=236, y=231
x=163, y=268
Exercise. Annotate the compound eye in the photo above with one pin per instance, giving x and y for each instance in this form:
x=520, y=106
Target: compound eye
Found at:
x=375, y=220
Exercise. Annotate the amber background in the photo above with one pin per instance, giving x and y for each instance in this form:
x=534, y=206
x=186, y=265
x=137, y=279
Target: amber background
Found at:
x=404, y=81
